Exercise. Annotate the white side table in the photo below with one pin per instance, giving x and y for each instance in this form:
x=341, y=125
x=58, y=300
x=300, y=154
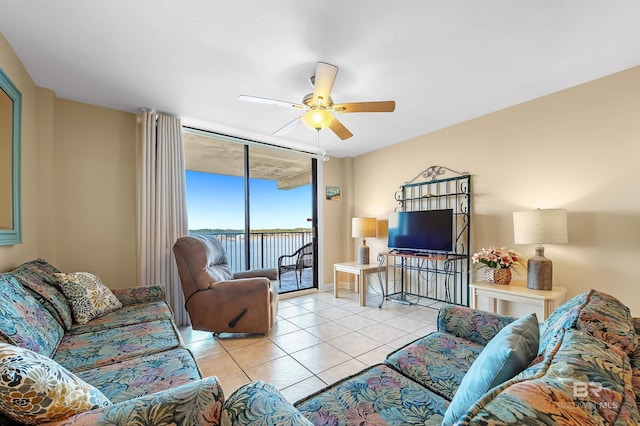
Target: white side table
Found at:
x=518, y=292
x=360, y=271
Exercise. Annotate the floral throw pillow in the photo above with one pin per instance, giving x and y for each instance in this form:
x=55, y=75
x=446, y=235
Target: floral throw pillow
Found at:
x=88, y=297
x=38, y=276
x=35, y=389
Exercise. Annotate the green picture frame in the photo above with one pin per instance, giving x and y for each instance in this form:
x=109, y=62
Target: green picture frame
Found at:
x=10, y=142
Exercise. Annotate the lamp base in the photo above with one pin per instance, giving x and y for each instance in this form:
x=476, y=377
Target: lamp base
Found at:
x=363, y=254
x=539, y=271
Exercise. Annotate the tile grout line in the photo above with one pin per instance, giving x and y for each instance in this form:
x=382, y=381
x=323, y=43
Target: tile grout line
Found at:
x=315, y=305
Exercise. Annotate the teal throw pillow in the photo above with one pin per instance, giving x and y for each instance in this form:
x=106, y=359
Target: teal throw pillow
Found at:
x=506, y=355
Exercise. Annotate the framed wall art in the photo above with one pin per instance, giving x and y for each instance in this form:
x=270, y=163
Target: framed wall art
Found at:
x=333, y=193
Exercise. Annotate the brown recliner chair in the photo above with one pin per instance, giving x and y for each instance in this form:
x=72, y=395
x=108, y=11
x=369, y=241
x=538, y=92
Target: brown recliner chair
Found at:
x=219, y=300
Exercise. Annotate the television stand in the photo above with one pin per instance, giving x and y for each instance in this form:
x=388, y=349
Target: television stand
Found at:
x=430, y=278
x=419, y=278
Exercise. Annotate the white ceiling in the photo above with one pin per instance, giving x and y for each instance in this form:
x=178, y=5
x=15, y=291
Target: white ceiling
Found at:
x=442, y=61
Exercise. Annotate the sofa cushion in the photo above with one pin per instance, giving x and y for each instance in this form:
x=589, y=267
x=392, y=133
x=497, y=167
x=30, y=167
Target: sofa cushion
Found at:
x=376, y=396
x=196, y=403
x=597, y=313
x=88, y=297
x=609, y=320
x=438, y=361
x=260, y=403
x=506, y=355
x=471, y=324
x=33, y=388
x=581, y=380
x=79, y=352
x=24, y=321
x=635, y=363
x=128, y=315
x=144, y=375
x=562, y=318
x=38, y=276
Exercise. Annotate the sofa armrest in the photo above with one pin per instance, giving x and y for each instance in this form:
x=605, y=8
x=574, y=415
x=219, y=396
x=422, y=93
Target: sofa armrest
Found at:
x=195, y=403
x=471, y=324
x=271, y=274
x=136, y=295
x=251, y=404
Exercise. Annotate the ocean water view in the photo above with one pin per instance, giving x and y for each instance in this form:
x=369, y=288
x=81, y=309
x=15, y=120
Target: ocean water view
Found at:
x=280, y=219
x=266, y=246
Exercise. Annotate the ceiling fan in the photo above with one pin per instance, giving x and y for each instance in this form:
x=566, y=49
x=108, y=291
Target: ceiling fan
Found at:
x=318, y=106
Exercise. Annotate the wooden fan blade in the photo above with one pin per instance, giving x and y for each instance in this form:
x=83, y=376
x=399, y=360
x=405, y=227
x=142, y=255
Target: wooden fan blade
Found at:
x=324, y=78
x=381, y=106
x=247, y=98
x=287, y=127
x=338, y=128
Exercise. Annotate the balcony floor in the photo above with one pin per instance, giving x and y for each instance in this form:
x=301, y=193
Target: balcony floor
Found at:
x=288, y=281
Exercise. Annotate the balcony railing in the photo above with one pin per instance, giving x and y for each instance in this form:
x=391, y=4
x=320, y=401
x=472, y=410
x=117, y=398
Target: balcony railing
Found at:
x=266, y=247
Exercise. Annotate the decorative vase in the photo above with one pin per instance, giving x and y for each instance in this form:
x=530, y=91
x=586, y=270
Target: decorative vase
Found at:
x=501, y=276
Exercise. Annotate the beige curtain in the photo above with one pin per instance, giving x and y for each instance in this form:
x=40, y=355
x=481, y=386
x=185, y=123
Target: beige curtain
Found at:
x=162, y=207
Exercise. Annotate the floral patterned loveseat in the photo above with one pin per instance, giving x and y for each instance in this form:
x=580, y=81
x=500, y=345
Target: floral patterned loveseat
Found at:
x=126, y=366
x=482, y=368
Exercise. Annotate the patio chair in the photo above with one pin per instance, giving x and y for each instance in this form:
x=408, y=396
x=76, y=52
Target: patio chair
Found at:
x=219, y=300
x=297, y=261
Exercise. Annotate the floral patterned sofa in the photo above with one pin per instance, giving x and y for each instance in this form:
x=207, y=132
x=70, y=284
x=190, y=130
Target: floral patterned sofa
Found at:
x=581, y=366
x=128, y=366
x=124, y=362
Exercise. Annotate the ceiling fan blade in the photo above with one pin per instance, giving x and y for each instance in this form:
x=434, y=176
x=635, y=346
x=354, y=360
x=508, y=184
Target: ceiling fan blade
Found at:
x=381, y=106
x=247, y=98
x=287, y=127
x=338, y=128
x=324, y=78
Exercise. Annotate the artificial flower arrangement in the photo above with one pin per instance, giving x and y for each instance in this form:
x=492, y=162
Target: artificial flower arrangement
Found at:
x=498, y=258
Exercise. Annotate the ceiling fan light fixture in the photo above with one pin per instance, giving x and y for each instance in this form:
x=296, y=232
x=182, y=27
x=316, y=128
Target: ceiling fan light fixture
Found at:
x=317, y=119
x=319, y=106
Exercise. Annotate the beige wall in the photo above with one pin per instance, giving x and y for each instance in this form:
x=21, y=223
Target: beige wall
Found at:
x=78, y=183
x=11, y=256
x=94, y=187
x=336, y=215
x=578, y=149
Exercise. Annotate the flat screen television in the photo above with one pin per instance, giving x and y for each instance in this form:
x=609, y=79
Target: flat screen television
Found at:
x=421, y=231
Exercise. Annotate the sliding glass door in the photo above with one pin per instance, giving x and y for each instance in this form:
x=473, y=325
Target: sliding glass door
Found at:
x=281, y=214
x=259, y=201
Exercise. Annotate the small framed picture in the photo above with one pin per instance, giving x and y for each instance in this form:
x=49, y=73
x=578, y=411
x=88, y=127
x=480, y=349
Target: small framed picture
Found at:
x=333, y=193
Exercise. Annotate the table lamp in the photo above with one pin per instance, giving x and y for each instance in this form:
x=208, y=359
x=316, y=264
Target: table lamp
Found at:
x=363, y=227
x=542, y=226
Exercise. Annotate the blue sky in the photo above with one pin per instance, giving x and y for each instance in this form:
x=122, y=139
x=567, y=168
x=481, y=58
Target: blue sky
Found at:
x=217, y=201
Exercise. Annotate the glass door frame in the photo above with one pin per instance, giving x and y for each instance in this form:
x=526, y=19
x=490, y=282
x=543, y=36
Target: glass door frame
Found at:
x=313, y=158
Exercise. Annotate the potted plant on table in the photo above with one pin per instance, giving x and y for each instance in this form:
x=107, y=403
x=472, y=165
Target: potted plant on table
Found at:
x=498, y=263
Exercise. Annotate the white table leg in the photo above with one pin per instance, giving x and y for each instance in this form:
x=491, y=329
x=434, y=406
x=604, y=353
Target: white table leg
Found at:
x=474, y=298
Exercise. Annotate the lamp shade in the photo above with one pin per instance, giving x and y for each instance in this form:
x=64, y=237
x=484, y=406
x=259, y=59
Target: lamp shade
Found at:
x=542, y=226
x=317, y=119
x=363, y=227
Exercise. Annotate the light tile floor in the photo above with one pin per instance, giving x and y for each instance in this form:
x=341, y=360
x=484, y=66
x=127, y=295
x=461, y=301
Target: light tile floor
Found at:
x=316, y=341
